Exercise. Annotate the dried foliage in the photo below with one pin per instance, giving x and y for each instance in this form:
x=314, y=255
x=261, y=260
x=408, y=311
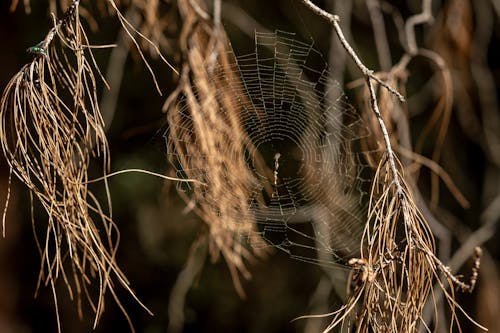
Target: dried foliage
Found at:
x=394, y=276
x=51, y=129
x=206, y=134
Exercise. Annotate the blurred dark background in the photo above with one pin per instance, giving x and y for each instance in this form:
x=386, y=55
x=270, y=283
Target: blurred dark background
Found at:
x=156, y=235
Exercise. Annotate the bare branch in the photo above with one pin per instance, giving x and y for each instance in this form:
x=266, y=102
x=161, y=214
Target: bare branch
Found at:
x=334, y=20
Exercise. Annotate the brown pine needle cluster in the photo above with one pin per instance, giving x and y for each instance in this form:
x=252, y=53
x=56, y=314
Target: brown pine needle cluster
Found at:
x=394, y=276
x=51, y=129
x=209, y=141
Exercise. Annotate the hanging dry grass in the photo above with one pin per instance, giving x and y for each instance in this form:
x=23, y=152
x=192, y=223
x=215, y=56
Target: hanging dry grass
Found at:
x=50, y=130
x=399, y=276
x=209, y=142
x=393, y=279
x=394, y=276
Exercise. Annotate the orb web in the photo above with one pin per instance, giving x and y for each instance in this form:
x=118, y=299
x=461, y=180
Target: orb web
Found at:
x=303, y=149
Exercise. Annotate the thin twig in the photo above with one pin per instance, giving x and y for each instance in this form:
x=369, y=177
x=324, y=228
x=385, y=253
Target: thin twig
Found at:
x=337, y=60
x=334, y=20
x=184, y=282
x=485, y=81
x=381, y=42
x=242, y=20
x=336, y=56
x=44, y=44
x=201, y=13
x=438, y=170
x=217, y=12
x=115, y=70
x=424, y=17
x=146, y=172
x=490, y=219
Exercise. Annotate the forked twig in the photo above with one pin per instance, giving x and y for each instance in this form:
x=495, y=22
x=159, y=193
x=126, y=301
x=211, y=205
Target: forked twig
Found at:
x=369, y=76
x=465, y=287
x=334, y=20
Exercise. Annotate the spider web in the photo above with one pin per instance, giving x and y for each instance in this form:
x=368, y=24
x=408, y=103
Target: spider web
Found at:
x=308, y=195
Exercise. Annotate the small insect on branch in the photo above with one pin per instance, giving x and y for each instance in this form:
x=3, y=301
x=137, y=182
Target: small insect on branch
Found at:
x=38, y=50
